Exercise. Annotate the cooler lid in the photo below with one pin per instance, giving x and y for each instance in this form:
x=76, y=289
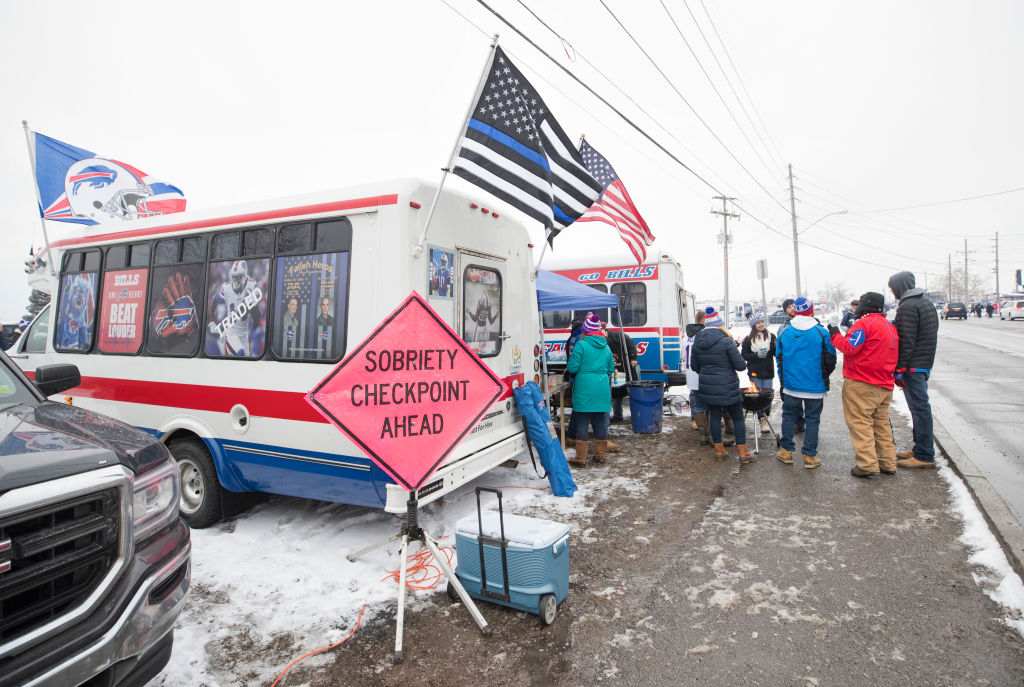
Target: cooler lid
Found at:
x=532, y=532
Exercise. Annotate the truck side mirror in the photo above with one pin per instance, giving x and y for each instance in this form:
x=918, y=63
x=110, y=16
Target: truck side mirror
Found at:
x=53, y=379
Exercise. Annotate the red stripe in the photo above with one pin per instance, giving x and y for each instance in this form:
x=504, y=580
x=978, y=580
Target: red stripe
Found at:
x=355, y=204
x=285, y=405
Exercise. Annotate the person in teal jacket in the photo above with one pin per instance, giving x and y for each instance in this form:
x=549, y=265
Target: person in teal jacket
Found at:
x=592, y=363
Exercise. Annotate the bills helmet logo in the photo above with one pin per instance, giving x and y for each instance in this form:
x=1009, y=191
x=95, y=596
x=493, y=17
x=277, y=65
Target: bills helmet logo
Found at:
x=97, y=190
x=49, y=441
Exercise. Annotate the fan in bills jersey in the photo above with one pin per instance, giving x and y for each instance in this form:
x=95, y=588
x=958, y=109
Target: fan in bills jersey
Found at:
x=514, y=148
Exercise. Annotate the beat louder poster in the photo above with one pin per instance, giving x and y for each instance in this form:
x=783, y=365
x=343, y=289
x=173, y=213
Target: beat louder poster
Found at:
x=123, y=311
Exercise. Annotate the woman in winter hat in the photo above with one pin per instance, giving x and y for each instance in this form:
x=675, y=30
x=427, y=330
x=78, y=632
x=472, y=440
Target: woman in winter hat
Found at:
x=592, y=363
x=759, y=352
x=716, y=361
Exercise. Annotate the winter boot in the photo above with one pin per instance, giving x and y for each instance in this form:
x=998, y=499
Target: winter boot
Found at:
x=581, y=454
x=719, y=452
x=600, y=447
x=745, y=455
x=785, y=455
x=613, y=447
x=903, y=455
x=729, y=436
x=570, y=442
x=811, y=462
x=693, y=423
x=764, y=425
x=702, y=428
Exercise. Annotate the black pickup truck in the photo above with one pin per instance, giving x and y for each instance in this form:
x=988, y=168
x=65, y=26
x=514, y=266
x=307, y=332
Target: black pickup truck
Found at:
x=95, y=561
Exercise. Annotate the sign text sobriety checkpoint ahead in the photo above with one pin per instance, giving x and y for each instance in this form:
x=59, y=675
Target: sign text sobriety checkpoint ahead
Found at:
x=409, y=393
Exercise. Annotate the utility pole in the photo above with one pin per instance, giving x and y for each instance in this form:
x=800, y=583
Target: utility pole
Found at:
x=967, y=295
x=725, y=239
x=796, y=244
x=949, y=274
x=997, y=266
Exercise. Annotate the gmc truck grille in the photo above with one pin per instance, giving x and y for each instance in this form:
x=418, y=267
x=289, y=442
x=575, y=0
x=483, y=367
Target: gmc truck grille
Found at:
x=53, y=557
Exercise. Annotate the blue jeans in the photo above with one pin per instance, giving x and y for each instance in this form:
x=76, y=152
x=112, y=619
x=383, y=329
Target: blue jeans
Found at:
x=599, y=421
x=763, y=384
x=715, y=422
x=696, y=404
x=810, y=408
x=916, y=393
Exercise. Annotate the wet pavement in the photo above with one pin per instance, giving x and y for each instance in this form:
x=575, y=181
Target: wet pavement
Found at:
x=709, y=573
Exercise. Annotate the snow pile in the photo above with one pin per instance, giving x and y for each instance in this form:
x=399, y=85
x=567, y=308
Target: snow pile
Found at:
x=996, y=578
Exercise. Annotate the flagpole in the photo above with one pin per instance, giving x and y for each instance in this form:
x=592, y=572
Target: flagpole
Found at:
x=39, y=200
x=418, y=248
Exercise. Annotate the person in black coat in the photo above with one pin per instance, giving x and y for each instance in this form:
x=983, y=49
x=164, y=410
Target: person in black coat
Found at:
x=850, y=316
x=616, y=337
x=759, y=351
x=716, y=361
x=918, y=327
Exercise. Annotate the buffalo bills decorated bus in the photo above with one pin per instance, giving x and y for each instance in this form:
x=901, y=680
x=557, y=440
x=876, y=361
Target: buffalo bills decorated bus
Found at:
x=207, y=329
x=654, y=308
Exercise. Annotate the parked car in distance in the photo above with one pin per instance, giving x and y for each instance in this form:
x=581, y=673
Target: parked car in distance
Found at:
x=1011, y=310
x=94, y=558
x=955, y=311
x=778, y=317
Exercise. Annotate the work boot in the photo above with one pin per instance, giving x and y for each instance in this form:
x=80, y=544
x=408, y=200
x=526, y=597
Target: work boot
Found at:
x=600, y=447
x=764, y=425
x=915, y=463
x=745, y=455
x=887, y=471
x=612, y=446
x=702, y=428
x=785, y=455
x=729, y=435
x=811, y=462
x=570, y=442
x=857, y=471
x=719, y=452
x=581, y=454
x=903, y=455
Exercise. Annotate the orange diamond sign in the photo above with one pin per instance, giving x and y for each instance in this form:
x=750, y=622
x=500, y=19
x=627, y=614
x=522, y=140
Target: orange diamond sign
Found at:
x=409, y=393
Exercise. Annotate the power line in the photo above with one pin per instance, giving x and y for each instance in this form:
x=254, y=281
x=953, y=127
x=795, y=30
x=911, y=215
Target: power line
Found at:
x=946, y=202
x=714, y=87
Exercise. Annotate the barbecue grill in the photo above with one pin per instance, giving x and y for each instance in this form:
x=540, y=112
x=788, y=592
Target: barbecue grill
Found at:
x=754, y=401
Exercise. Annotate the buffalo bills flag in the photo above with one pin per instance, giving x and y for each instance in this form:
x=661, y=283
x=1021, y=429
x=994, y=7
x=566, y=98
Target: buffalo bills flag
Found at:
x=514, y=148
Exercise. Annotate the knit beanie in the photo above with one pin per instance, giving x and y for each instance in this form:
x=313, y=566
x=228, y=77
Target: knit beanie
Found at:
x=592, y=325
x=786, y=303
x=712, y=318
x=803, y=306
x=872, y=301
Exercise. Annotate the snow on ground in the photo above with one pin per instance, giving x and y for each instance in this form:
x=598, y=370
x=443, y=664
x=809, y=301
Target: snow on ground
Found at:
x=278, y=575
x=995, y=576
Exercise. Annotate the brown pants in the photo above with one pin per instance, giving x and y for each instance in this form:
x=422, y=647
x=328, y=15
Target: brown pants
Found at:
x=866, y=407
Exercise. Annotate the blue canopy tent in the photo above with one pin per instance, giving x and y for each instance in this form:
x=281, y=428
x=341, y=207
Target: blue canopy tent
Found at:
x=555, y=292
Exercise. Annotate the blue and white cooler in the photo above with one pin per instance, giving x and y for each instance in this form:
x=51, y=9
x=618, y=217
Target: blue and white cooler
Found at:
x=534, y=576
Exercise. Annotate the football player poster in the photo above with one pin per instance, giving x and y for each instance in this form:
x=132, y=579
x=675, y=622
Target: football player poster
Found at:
x=236, y=312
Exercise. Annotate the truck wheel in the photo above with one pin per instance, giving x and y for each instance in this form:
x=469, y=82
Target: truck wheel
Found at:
x=547, y=608
x=200, y=488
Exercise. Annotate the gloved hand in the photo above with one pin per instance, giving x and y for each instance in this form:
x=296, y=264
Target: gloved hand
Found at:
x=833, y=330
x=898, y=377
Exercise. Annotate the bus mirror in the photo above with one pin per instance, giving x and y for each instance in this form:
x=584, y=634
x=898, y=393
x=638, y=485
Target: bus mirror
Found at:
x=53, y=379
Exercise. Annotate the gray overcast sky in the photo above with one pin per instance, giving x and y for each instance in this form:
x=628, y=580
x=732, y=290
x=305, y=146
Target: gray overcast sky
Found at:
x=877, y=104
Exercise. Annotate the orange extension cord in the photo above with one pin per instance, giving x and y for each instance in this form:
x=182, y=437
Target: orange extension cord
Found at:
x=326, y=648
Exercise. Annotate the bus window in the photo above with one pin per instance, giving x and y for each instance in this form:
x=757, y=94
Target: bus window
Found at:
x=310, y=298
x=334, y=234
x=602, y=314
x=194, y=249
x=76, y=308
x=259, y=241
x=632, y=303
x=481, y=325
x=123, y=300
x=557, y=319
x=225, y=246
x=175, y=313
x=35, y=341
x=236, y=299
x=165, y=253
x=295, y=238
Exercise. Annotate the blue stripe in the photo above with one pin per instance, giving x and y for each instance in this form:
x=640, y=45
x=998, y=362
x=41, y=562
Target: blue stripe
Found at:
x=508, y=141
x=559, y=215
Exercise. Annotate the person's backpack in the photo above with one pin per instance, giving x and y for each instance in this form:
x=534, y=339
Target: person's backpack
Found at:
x=828, y=361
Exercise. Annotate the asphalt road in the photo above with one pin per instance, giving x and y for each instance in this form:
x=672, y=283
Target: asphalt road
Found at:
x=768, y=574
x=977, y=390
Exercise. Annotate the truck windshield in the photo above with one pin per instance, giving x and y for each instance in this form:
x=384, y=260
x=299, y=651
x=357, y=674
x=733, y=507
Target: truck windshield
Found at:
x=12, y=389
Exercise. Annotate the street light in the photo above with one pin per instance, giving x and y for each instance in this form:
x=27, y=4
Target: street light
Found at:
x=796, y=245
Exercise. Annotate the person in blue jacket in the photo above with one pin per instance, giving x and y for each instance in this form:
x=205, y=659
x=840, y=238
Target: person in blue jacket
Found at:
x=716, y=361
x=799, y=359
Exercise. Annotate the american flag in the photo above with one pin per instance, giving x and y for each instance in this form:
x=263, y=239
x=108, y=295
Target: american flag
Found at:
x=615, y=207
x=514, y=149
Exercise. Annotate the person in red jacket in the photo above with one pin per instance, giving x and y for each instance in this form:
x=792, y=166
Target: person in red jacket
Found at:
x=870, y=352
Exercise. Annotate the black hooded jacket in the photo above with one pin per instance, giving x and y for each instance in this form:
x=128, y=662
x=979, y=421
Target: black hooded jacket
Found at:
x=916, y=322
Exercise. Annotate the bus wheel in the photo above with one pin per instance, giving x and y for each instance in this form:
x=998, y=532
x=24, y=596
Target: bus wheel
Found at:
x=200, y=488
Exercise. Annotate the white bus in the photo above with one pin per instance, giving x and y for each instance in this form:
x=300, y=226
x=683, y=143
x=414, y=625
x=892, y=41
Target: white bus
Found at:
x=207, y=329
x=653, y=304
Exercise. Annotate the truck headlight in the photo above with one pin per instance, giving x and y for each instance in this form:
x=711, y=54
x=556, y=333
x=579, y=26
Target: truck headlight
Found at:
x=155, y=499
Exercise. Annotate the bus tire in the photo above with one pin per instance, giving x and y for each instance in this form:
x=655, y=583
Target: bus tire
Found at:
x=200, y=488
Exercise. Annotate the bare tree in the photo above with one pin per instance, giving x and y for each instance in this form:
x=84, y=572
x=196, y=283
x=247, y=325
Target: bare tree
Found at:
x=977, y=285
x=834, y=292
